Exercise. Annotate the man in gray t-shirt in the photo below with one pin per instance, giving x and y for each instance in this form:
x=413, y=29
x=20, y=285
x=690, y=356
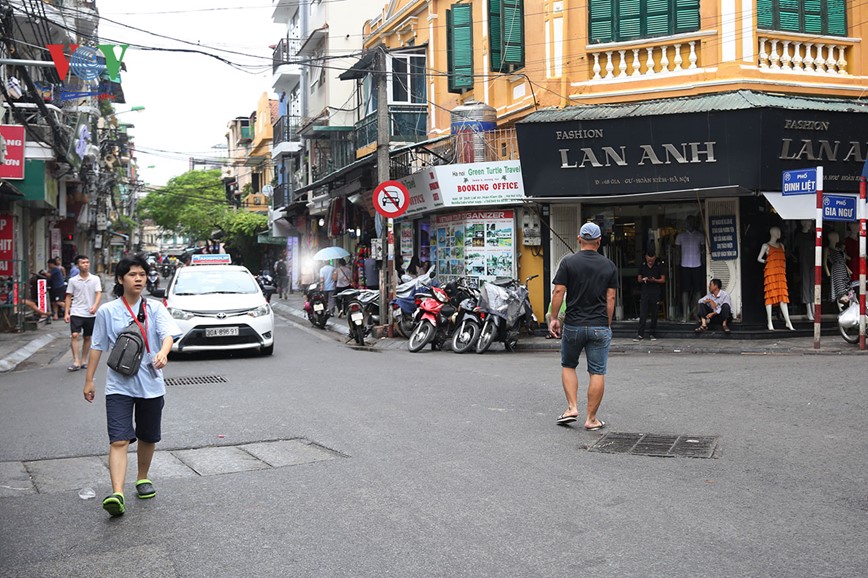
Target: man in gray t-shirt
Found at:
x=83, y=294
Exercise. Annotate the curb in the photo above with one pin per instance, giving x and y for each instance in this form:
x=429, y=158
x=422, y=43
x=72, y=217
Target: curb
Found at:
x=12, y=360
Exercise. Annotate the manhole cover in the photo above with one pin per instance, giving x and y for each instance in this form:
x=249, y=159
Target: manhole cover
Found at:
x=195, y=380
x=666, y=446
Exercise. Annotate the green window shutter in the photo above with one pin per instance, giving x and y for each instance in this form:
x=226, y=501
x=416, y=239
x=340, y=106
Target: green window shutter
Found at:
x=495, y=39
x=686, y=16
x=601, y=21
x=629, y=19
x=459, y=38
x=765, y=14
x=836, y=11
x=789, y=15
x=512, y=30
x=813, y=17
x=657, y=18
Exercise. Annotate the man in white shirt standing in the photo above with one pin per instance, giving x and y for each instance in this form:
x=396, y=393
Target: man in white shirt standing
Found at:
x=83, y=294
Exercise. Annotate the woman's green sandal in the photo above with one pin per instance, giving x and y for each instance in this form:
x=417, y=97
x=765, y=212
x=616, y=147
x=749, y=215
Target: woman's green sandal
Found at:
x=145, y=489
x=114, y=505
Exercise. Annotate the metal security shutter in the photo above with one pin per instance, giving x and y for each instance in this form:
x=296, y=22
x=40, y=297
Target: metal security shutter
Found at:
x=495, y=39
x=729, y=272
x=459, y=47
x=564, y=220
x=836, y=23
x=765, y=14
x=686, y=16
x=512, y=30
x=600, y=23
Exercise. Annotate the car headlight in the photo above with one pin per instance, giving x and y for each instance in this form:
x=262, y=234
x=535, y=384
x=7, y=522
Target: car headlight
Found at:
x=180, y=314
x=260, y=311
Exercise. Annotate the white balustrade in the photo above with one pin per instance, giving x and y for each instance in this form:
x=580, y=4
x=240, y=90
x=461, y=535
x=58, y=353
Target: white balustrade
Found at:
x=621, y=65
x=802, y=57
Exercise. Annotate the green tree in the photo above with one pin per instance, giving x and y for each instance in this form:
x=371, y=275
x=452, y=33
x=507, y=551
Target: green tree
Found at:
x=192, y=204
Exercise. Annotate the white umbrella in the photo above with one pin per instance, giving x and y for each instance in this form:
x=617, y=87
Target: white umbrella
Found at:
x=330, y=253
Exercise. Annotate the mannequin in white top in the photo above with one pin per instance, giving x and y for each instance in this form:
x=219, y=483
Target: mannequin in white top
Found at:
x=774, y=276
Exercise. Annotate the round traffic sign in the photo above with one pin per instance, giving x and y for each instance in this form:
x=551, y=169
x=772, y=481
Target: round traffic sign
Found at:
x=391, y=199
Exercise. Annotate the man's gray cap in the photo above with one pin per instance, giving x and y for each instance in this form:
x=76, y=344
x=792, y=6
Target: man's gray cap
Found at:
x=590, y=231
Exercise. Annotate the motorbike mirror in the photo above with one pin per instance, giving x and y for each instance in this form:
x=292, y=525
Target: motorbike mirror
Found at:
x=159, y=293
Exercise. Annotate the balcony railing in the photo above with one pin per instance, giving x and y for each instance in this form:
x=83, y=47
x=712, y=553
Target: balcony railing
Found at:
x=646, y=58
x=282, y=195
x=284, y=52
x=408, y=124
x=328, y=159
x=286, y=130
x=817, y=55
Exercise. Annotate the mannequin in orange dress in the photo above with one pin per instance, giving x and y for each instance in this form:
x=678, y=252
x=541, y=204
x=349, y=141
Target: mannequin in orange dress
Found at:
x=773, y=255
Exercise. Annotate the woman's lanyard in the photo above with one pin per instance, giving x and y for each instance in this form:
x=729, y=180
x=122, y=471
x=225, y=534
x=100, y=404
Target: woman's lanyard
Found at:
x=143, y=331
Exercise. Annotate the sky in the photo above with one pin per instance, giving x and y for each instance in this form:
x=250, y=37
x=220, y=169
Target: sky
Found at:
x=189, y=98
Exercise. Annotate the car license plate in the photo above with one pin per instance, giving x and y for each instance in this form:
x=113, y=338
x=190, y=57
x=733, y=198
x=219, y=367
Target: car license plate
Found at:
x=357, y=318
x=318, y=307
x=221, y=331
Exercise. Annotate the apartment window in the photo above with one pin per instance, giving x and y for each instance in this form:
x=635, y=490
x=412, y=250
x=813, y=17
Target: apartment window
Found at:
x=622, y=20
x=407, y=79
x=459, y=47
x=824, y=17
x=506, y=34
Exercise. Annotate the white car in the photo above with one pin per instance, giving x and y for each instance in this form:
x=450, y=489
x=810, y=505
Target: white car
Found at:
x=219, y=307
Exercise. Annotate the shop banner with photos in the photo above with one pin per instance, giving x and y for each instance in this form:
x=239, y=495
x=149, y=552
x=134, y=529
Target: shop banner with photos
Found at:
x=478, y=245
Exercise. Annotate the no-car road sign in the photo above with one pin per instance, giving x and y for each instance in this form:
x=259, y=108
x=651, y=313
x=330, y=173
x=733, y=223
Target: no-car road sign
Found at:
x=391, y=199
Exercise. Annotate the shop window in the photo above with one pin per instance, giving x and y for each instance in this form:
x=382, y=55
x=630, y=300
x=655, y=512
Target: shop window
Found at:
x=459, y=47
x=806, y=16
x=407, y=79
x=622, y=20
x=506, y=34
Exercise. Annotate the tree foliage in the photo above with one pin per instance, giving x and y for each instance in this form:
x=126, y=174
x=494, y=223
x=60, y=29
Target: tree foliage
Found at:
x=193, y=205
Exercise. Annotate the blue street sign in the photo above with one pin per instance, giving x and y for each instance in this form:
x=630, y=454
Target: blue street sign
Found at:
x=839, y=208
x=802, y=182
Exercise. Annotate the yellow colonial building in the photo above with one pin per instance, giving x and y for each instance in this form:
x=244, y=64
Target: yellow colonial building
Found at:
x=650, y=117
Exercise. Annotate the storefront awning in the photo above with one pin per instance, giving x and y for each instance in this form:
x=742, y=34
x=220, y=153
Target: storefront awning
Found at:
x=740, y=140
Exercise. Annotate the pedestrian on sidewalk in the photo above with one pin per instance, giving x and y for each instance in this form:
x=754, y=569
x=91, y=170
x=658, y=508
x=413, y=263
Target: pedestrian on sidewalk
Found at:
x=57, y=285
x=589, y=280
x=651, y=279
x=140, y=394
x=327, y=280
x=83, y=294
x=282, y=273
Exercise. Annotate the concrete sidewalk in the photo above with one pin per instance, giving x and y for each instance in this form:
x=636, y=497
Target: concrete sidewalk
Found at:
x=16, y=348
x=710, y=342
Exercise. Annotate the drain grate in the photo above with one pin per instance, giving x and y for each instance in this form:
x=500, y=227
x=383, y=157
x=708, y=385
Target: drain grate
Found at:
x=196, y=380
x=666, y=446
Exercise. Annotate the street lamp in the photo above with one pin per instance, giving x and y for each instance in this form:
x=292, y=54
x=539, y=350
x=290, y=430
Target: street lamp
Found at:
x=134, y=109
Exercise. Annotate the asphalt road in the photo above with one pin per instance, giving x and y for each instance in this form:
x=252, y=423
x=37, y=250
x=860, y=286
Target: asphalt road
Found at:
x=448, y=465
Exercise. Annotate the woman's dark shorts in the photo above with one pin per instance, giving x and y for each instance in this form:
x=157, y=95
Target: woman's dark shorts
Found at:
x=148, y=415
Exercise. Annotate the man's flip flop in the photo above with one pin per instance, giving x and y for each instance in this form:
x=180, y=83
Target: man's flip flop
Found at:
x=565, y=419
x=596, y=427
x=145, y=489
x=73, y=368
x=114, y=505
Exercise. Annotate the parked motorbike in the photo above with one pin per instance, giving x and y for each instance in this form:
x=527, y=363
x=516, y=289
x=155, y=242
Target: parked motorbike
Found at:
x=469, y=325
x=848, y=318
x=404, y=304
x=153, y=280
x=316, y=306
x=362, y=309
x=432, y=320
x=504, y=308
x=266, y=284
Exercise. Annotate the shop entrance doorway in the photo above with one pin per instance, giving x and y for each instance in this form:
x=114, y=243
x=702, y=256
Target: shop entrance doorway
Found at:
x=628, y=231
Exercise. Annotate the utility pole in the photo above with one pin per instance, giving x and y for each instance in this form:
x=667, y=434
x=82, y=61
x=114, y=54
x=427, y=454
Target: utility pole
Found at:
x=384, y=174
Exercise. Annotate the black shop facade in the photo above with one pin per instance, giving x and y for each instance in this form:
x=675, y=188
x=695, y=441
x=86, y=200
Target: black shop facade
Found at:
x=655, y=173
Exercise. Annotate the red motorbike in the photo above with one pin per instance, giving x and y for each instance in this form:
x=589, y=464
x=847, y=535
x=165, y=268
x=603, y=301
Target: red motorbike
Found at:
x=432, y=319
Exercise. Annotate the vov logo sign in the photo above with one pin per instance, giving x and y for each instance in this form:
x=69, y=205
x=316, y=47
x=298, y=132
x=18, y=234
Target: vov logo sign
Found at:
x=84, y=62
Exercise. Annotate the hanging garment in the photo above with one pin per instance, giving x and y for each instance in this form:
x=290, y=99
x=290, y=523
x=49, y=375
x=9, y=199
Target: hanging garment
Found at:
x=776, y=277
x=838, y=269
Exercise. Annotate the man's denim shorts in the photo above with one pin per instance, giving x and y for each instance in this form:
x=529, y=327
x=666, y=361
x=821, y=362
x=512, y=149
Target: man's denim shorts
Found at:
x=594, y=340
